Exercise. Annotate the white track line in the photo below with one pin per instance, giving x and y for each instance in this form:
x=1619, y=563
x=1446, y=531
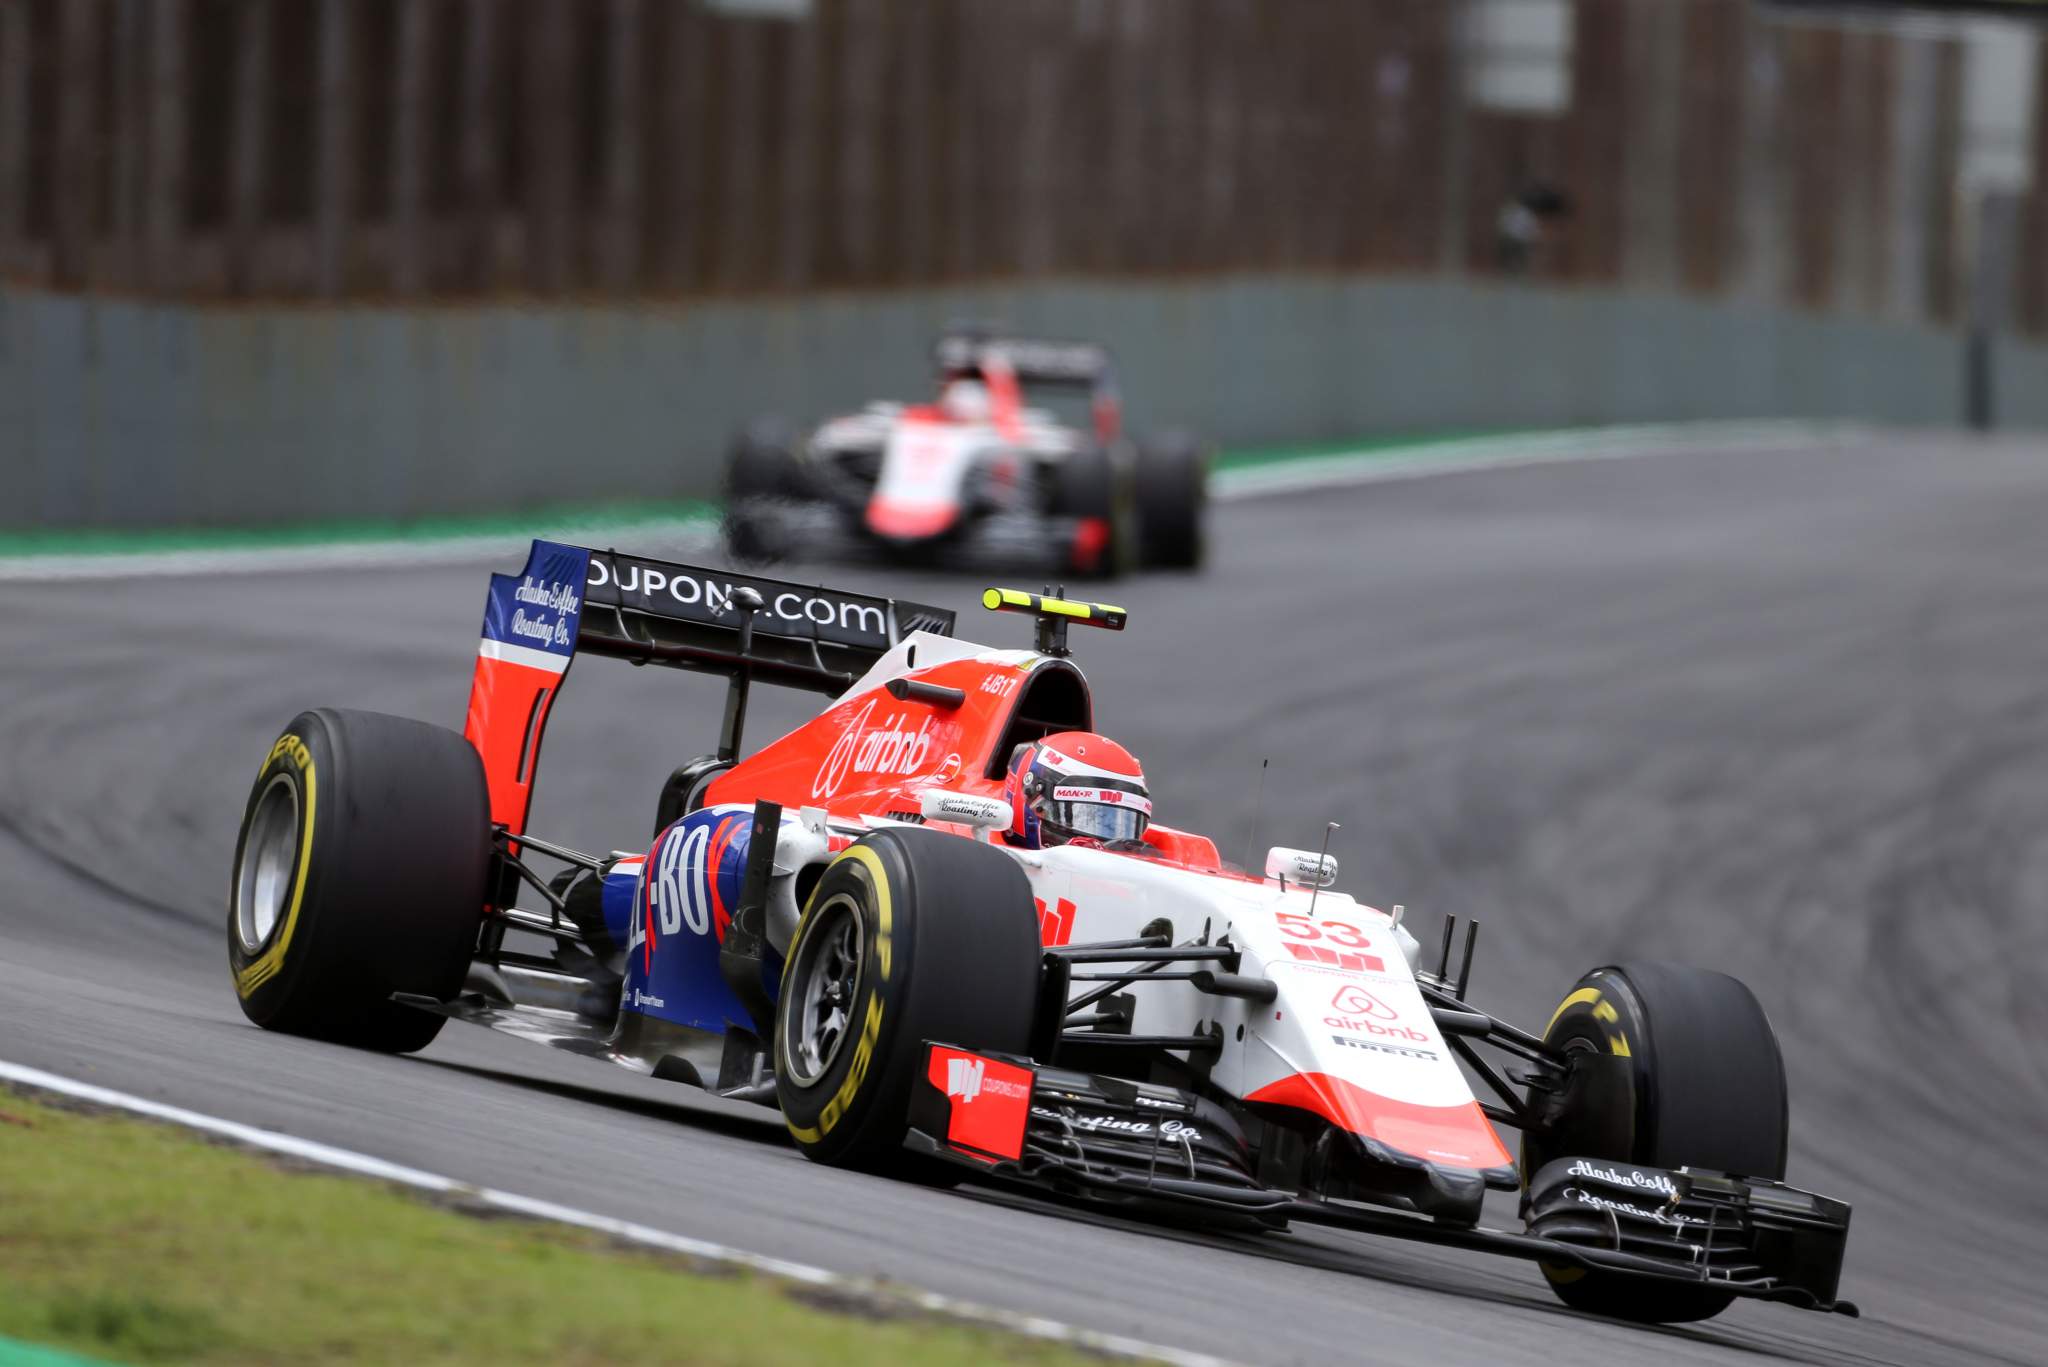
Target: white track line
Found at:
x=345, y=1160
x=699, y=536
x=1370, y=466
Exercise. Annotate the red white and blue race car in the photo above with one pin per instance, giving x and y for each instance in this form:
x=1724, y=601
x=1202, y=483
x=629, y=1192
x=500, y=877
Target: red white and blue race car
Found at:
x=1020, y=462
x=940, y=929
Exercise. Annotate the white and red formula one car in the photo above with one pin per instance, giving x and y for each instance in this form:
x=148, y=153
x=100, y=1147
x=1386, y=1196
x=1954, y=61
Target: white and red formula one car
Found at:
x=938, y=928
x=991, y=474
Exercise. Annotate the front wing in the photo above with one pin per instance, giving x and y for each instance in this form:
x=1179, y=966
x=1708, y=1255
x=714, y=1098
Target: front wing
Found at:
x=1147, y=1145
x=996, y=543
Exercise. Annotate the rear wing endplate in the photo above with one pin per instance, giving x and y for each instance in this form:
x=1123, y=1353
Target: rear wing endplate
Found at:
x=572, y=600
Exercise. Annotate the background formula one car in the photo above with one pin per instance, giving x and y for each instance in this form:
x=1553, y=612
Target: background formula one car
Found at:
x=841, y=926
x=993, y=473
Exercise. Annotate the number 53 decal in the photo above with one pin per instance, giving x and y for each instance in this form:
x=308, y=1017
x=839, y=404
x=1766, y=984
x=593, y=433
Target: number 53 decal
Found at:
x=1338, y=932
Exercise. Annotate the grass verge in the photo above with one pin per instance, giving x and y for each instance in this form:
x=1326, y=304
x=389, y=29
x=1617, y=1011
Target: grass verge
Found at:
x=135, y=1242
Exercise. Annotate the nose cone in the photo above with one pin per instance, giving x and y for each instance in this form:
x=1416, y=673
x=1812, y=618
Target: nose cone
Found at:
x=1456, y=1135
x=899, y=519
x=1351, y=1040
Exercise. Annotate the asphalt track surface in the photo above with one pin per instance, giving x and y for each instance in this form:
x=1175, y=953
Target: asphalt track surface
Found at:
x=1784, y=714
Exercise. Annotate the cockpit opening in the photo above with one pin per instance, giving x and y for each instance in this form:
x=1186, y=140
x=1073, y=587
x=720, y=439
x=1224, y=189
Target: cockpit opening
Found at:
x=1054, y=698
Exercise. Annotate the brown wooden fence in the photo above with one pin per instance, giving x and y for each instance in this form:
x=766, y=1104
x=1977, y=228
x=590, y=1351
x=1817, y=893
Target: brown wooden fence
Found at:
x=344, y=149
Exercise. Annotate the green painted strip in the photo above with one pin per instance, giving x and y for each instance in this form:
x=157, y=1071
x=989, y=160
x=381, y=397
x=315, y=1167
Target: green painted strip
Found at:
x=1243, y=471
x=553, y=520
x=14, y=1353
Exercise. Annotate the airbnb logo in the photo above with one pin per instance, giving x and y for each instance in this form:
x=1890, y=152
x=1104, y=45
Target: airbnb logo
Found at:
x=1353, y=1000
x=889, y=748
x=1360, y=1012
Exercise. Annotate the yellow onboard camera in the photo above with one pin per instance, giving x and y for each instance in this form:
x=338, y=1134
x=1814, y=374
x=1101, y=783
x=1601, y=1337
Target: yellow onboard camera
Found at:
x=1054, y=615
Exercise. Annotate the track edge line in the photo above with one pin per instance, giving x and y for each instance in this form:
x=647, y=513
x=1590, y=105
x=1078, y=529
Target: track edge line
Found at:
x=366, y=1165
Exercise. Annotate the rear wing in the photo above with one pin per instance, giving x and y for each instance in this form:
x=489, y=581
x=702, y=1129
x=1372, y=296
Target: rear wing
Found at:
x=1034, y=360
x=571, y=601
x=1019, y=361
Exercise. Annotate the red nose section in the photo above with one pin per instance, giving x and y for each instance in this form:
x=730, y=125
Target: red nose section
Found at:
x=903, y=521
x=1456, y=1136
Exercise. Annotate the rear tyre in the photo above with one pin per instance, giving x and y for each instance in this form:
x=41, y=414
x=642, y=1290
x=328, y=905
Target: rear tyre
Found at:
x=1703, y=1086
x=1173, y=501
x=909, y=936
x=1088, y=487
x=360, y=872
x=762, y=474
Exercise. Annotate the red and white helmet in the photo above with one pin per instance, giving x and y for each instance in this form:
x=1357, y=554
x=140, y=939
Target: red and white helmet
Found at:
x=966, y=400
x=1075, y=785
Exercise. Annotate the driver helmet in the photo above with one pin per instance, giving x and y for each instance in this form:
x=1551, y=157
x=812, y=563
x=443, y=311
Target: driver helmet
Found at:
x=1075, y=785
x=965, y=400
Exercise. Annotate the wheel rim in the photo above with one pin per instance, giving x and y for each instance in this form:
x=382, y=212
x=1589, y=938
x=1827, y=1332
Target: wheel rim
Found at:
x=269, y=857
x=827, y=974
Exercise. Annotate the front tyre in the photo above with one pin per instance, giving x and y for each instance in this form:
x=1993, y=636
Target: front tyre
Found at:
x=1173, y=502
x=1688, y=1075
x=360, y=871
x=909, y=935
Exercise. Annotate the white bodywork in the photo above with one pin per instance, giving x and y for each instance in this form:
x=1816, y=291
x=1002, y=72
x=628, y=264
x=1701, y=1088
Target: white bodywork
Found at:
x=1349, y=1036
x=925, y=465
x=1348, y=1008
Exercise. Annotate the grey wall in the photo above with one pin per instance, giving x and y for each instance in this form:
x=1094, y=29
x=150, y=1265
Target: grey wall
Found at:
x=130, y=414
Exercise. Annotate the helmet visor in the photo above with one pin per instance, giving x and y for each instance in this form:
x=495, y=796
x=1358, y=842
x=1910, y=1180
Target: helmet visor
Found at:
x=1105, y=814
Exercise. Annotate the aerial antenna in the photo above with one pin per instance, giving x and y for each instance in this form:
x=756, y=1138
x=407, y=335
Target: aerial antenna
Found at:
x=1322, y=864
x=1258, y=797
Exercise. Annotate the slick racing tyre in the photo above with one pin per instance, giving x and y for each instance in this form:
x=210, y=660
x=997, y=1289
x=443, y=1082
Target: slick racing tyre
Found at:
x=1696, y=1081
x=1173, y=501
x=762, y=475
x=909, y=935
x=1088, y=486
x=360, y=872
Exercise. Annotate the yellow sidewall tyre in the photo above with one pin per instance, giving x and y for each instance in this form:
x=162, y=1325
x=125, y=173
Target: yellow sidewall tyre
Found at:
x=360, y=871
x=933, y=937
x=1705, y=1088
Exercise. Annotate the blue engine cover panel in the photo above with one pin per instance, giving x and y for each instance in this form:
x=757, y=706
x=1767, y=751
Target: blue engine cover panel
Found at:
x=672, y=918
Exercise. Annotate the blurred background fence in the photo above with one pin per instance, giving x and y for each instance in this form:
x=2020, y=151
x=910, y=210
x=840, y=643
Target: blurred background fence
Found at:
x=1697, y=177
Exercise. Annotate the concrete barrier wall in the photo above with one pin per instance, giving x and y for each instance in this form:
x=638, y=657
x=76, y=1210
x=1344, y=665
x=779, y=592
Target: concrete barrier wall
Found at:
x=132, y=414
